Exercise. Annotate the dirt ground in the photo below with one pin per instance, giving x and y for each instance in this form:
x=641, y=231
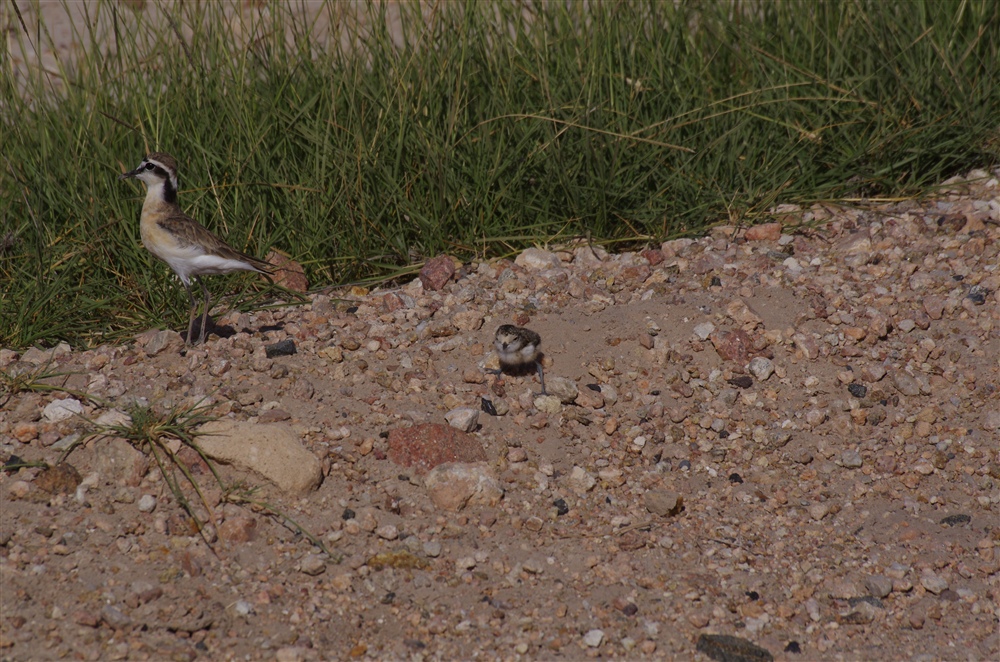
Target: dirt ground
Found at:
x=786, y=436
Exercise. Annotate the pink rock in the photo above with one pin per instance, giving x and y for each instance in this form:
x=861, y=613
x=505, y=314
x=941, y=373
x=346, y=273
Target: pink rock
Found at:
x=85, y=618
x=241, y=528
x=934, y=307
x=880, y=324
x=287, y=272
x=653, y=255
x=764, y=232
x=806, y=344
x=273, y=416
x=707, y=263
x=732, y=345
x=425, y=446
x=590, y=399
x=392, y=302
x=454, y=485
x=637, y=274
x=437, y=272
x=675, y=246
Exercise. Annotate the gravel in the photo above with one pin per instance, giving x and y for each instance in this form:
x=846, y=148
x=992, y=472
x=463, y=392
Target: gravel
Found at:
x=831, y=487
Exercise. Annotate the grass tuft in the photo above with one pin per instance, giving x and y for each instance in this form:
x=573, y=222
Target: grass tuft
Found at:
x=22, y=378
x=161, y=434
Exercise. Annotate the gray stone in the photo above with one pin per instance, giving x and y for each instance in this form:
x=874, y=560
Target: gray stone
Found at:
x=704, y=330
x=163, y=341
x=610, y=394
x=115, y=618
x=593, y=638
x=851, y=459
x=991, y=420
x=878, y=585
x=387, y=532
x=819, y=510
x=37, y=356
x=905, y=384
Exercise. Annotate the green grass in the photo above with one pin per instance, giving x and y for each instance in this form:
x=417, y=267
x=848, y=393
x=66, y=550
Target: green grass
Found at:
x=481, y=129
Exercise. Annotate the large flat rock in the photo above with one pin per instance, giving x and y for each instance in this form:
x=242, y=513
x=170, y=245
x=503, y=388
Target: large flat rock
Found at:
x=269, y=449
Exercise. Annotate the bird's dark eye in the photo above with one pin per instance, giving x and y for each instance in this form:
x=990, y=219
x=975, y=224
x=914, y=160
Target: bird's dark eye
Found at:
x=150, y=166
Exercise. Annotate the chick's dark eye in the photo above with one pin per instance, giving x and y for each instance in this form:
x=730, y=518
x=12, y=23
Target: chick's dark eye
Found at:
x=150, y=166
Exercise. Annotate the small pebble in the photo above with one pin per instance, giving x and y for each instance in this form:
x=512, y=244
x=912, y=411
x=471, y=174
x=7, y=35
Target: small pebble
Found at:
x=147, y=503
x=387, y=532
x=465, y=419
x=593, y=638
x=761, y=368
x=933, y=582
x=851, y=459
x=312, y=564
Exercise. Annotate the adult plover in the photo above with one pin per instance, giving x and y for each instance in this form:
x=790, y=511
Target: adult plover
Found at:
x=177, y=239
x=519, y=348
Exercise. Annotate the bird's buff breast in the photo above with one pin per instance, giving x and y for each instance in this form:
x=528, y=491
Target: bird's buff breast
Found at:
x=165, y=246
x=157, y=241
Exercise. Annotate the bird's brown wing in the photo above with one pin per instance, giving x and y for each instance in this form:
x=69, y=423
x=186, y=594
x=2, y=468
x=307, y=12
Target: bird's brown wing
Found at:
x=189, y=232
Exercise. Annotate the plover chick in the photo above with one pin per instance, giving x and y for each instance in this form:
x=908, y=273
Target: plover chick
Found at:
x=518, y=348
x=171, y=235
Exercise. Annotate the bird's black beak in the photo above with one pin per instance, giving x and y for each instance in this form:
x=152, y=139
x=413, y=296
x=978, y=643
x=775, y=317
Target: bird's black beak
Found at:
x=130, y=173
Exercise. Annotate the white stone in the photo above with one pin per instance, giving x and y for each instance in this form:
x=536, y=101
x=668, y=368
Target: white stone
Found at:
x=312, y=565
x=147, y=503
x=792, y=264
x=454, y=485
x=580, y=481
x=594, y=638
x=933, y=582
x=60, y=410
x=387, y=532
x=704, y=330
x=114, y=417
x=536, y=259
x=761, y=368
x=465, y=419
x=819, y=510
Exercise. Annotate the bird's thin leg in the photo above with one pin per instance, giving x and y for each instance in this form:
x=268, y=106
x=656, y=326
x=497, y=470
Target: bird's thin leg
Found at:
x=191, y=312
x=204, y=316
x=541, y=376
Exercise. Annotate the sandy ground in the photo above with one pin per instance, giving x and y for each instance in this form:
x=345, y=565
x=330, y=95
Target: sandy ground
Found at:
x=788, y=437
